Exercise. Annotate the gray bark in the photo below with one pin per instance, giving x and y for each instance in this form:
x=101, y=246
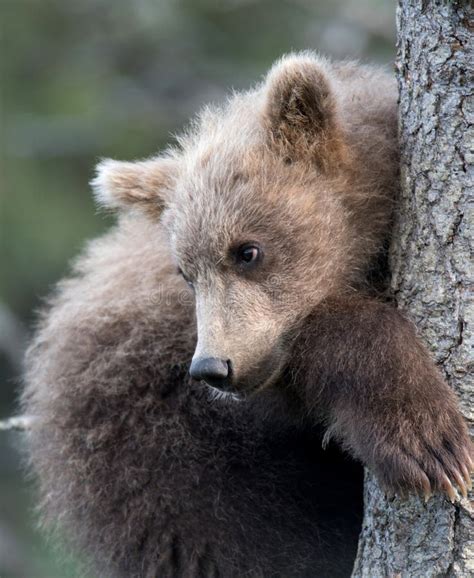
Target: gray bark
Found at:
x=431, y=263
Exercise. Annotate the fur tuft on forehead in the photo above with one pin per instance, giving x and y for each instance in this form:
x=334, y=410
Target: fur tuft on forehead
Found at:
x=293, y=115
x=314, y=140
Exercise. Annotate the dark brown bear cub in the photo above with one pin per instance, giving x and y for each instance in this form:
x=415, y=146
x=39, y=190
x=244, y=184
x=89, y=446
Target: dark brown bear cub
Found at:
x=272, y=211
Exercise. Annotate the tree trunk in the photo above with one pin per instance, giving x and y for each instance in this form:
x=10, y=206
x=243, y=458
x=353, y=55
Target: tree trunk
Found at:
x=431, y=257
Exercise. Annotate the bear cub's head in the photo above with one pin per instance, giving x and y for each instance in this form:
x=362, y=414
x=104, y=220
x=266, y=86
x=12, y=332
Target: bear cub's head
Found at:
x=261, y=201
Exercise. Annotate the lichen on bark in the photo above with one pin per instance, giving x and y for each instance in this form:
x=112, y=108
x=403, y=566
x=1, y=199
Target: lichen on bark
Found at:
x=431, y=263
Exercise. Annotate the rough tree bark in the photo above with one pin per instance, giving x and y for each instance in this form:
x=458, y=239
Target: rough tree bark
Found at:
x=431, y=262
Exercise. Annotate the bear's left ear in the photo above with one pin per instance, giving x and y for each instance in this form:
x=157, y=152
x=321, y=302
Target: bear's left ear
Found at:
x=143, y=185
x=300, y=110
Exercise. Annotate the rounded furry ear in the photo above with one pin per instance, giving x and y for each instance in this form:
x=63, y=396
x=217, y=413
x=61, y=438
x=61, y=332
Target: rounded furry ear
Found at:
x=140, y=184
x=300, y=108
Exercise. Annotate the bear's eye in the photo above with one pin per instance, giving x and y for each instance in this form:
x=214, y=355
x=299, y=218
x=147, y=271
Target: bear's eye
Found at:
x=249, y=254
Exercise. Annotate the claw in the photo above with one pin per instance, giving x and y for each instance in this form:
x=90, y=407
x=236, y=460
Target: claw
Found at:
x=460, y=482
x=467, y=476
x=427, y=493
x=448, y=488
x=469, y=460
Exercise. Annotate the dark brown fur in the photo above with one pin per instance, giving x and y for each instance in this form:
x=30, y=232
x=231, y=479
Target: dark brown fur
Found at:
x=148, y=475
x=363, y=370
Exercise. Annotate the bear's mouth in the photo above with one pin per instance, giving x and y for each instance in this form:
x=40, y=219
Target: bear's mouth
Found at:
x=243, y=391
x=218, y=395
x=251, y=385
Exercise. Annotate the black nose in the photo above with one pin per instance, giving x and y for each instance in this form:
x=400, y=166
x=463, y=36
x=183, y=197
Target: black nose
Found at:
x=212, y=370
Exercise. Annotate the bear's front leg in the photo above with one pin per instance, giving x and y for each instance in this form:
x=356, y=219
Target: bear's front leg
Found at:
x=366, y=373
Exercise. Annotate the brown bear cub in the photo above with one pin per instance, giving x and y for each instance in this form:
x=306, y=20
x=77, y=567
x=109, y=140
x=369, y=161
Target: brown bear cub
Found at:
x=247, y=249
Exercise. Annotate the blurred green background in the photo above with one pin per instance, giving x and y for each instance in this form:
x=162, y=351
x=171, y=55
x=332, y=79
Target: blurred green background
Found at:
x=92, y=78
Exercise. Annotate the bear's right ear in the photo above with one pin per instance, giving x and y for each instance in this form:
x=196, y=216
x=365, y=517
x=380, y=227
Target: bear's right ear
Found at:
x=141, y=184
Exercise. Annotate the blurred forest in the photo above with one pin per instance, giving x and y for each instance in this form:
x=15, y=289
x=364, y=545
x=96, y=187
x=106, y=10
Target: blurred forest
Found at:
x=99, y=78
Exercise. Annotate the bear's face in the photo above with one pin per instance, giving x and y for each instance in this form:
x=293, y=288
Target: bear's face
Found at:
x=254, y=206
x=259, y=248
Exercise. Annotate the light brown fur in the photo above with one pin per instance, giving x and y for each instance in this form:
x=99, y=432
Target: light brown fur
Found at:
x=322, y=174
